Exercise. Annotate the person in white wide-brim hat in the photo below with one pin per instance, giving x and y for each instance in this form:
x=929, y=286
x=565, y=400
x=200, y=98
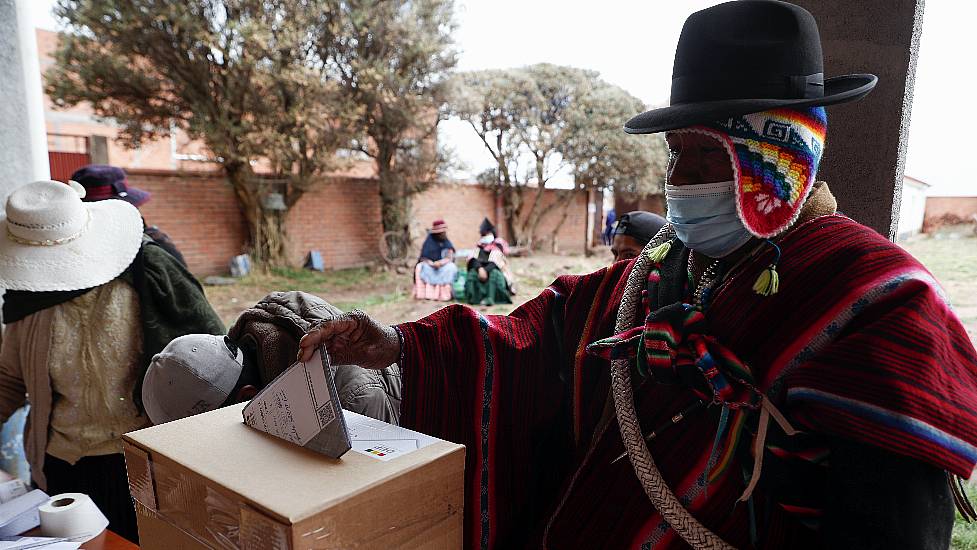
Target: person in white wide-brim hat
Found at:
x=55, y=242
x=88, y=300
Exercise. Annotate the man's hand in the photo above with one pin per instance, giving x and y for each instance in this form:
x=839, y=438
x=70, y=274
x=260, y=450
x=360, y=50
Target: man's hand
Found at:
x=353, y=338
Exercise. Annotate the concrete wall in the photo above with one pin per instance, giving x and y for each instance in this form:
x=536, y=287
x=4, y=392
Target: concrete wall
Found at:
x=22, y=152
x=866, y=142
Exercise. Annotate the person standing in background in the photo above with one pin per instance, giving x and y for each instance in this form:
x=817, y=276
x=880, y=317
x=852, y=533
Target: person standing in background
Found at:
x=608, y=233
x=103, y=182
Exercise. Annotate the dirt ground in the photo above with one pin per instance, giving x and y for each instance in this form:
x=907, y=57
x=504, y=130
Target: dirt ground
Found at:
x=950, y=254
x=384, y=293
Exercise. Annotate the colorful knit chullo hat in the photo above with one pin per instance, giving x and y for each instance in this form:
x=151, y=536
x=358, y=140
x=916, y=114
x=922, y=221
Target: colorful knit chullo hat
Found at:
x=775, y=156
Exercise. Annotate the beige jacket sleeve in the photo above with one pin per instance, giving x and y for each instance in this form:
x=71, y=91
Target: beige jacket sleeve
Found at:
x=13, y=391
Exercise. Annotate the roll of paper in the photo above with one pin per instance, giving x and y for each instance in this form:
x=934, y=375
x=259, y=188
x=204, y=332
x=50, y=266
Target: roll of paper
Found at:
x=72, y=515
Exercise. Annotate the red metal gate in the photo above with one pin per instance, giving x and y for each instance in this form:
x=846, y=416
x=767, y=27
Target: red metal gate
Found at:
x=67, y=153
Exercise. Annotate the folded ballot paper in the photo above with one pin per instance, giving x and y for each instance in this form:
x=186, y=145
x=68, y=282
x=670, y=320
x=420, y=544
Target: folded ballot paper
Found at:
x=302, y=406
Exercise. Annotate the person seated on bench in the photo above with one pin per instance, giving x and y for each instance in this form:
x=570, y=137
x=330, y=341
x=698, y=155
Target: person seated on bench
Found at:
x=436, y=269
x=489, y=280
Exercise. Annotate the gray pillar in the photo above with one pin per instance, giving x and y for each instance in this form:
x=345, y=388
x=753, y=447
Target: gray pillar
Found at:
x=23, y=140
x=866, y=146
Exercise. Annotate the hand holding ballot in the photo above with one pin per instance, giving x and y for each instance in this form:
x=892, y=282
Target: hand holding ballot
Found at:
x=353, y=338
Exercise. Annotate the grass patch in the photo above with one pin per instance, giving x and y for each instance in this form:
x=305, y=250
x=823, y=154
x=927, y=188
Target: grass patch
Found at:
x=950, y=259
x=287, y=278
x=372, y=301
x=965, y=534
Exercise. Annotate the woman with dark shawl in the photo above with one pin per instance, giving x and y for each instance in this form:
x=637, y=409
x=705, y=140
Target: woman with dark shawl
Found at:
x=436, y=269
x=489, y=280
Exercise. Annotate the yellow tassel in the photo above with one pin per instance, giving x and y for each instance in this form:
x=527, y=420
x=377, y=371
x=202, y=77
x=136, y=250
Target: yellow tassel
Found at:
x=768, y=283
x=658, y=253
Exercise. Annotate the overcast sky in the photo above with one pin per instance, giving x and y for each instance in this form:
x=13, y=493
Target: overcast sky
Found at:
x=631, y=43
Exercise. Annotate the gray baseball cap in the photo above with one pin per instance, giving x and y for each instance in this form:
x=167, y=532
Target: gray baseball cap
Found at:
x=193, y=374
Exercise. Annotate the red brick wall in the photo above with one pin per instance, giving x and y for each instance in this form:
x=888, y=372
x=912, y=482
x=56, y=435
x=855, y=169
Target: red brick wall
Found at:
x=340, y=218
x=626, y=202
x=463, y=207
x=572, y=234
x=199, y=212
x=942, y=210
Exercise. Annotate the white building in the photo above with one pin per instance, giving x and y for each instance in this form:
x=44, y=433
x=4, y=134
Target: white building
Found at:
x=913, y=207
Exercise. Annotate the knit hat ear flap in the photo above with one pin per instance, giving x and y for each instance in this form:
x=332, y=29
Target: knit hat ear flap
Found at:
x=775, y=156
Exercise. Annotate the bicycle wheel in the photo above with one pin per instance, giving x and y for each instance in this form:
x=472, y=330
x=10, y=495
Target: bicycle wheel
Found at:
x=394, y=247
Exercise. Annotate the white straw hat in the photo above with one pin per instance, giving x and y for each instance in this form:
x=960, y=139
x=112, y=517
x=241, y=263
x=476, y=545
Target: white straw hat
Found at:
x=51, y=240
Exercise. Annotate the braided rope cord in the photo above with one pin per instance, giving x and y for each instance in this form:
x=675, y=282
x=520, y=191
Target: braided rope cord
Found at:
x=661, y=496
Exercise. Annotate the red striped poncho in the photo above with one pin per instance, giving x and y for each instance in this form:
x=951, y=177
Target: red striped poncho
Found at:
x=859, y=343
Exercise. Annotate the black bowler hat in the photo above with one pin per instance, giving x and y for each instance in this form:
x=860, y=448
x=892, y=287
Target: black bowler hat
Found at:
x=745, y=57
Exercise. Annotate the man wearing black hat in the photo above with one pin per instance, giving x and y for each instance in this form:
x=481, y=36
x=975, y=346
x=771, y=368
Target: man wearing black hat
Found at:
x=632, y=233
x=766, y=374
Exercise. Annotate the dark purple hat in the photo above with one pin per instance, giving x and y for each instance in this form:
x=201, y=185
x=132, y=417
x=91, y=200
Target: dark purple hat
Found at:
x=102, y=182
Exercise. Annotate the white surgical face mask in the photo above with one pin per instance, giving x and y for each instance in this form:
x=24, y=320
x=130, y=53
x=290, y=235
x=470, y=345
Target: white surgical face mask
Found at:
x=704, y=217
x=487, y=239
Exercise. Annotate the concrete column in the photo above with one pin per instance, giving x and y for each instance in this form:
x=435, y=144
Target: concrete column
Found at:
x=866, y=146
x=23, y=139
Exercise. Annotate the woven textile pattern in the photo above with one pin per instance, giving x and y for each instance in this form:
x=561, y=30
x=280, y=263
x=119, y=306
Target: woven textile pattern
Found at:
x=775, y=156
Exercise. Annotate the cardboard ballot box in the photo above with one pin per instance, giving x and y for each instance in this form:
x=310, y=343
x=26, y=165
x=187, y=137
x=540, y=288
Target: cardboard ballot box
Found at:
x=209, y=481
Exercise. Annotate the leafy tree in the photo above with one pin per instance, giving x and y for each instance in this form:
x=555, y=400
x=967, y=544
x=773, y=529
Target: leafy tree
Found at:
x=391, y=59
x=242, y=76
x=603, y=155
x=520, y=115
x=544, y=121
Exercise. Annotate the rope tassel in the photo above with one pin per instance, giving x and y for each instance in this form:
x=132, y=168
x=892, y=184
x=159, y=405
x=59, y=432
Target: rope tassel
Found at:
x=657, y=254
x=768, y=283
